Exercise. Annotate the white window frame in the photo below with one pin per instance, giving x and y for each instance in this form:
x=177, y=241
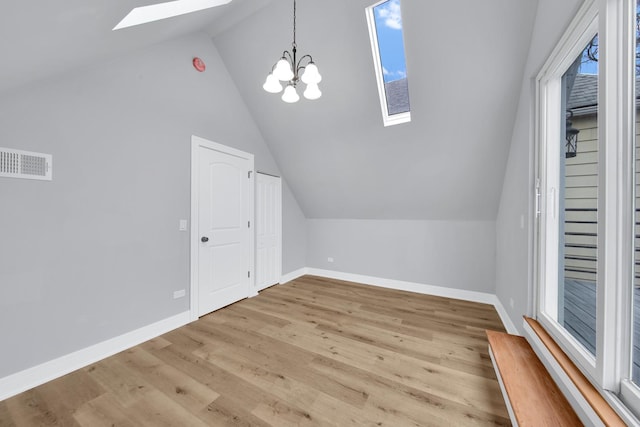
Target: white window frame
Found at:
x=623, y=339
x=614, y=21
x=387, y=119
x=549, y=95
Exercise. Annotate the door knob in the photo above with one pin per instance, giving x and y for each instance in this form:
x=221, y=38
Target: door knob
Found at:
x=204, y=239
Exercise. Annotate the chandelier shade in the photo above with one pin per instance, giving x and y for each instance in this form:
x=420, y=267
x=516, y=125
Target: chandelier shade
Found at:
x=312, y=92
x=292, y=70
x=311, y=74
x=272, y=85
x=290, y=95
x=283, y=70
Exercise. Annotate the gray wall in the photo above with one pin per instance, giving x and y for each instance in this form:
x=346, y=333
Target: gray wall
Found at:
x=294, y=233
x=97, y=252
x=454, y=254
x=514, y=243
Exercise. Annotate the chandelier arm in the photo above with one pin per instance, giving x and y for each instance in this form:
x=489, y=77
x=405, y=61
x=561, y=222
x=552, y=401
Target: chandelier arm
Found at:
x=299, y=66
x=287, y=55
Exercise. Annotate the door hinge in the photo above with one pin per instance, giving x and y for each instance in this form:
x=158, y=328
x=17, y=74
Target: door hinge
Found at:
x=249, y=174
x=249, y=224
x=249, y=274
x=538, y=195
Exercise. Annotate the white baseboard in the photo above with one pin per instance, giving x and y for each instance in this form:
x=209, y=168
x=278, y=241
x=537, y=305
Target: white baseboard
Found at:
x=40, y=374
x=420, y=288
x=294, y=275
x=504, y=316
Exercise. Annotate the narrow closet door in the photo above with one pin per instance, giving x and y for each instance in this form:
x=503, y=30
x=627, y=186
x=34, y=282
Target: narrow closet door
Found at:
x=268, y=230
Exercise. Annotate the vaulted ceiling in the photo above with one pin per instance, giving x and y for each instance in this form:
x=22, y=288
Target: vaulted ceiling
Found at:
x=465, y=62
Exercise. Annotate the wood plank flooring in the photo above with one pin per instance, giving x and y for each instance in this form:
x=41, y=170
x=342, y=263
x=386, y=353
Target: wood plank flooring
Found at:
x=312, y=352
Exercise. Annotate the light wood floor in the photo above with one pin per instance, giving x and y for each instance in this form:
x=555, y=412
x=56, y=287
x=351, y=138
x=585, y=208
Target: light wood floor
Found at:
x=311, y=352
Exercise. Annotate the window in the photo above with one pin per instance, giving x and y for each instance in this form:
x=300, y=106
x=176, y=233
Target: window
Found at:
x=387, y=44
x=569, y=225
x=587, y=189
x=577, y=217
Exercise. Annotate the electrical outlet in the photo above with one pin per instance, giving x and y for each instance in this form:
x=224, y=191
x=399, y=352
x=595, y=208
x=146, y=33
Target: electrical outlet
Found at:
x=330, y=259
x=179, y=294
x=511, y=302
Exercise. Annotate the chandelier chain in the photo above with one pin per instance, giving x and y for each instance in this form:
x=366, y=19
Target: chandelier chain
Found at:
x=294, y=23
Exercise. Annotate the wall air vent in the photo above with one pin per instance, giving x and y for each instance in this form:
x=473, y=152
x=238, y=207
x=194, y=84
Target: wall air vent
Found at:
x=25, y=164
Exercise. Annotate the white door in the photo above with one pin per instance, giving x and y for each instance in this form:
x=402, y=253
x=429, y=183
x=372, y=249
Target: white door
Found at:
x=268, y=230
x=224, y=236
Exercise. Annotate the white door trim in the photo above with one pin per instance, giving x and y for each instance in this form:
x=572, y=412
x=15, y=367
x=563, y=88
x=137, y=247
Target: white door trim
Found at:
x=196, y=143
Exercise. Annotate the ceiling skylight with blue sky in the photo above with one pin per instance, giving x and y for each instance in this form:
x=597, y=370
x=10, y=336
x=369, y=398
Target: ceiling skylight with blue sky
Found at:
x=390, y=40
x=387, y=44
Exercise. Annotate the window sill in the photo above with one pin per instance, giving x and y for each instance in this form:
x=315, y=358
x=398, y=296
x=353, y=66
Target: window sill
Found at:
x=589, y=404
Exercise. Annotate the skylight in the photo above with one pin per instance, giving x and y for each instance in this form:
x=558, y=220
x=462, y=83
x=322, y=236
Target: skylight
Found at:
x=156, y=12
x=387, y=45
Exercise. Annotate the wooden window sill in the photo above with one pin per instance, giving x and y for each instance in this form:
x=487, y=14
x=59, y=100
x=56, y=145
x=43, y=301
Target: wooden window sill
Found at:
x=600, y=406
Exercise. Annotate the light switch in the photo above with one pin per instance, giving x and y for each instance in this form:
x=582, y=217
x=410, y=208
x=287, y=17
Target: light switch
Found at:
x=183, y=225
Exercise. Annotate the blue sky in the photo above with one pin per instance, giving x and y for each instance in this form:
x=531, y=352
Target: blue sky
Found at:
x=588, y=66
x=390, y=41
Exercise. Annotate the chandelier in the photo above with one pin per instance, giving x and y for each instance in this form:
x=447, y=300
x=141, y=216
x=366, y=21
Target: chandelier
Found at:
x=289, y=69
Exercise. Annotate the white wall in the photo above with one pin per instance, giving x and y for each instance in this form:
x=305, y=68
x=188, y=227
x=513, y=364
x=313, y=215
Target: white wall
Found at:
x=514, y=243
x=97, y=252
x=454, y=254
